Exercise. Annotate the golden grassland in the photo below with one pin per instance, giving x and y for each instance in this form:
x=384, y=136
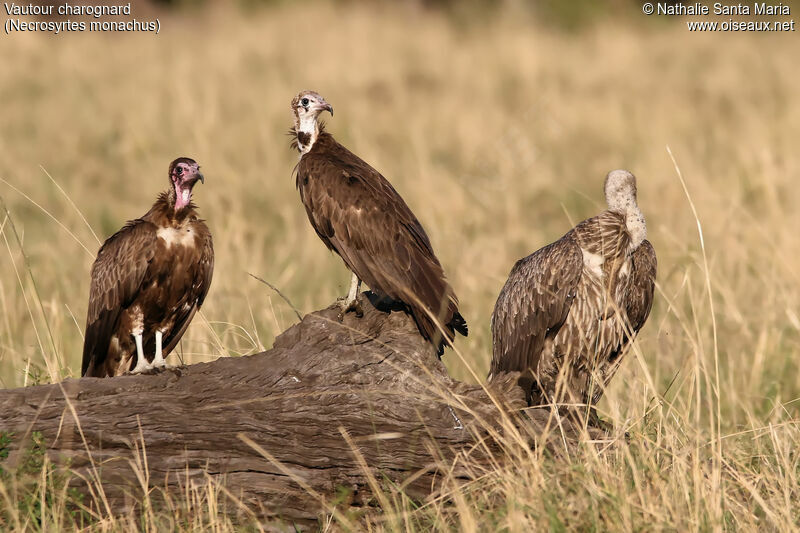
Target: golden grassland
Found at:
x=498, y=136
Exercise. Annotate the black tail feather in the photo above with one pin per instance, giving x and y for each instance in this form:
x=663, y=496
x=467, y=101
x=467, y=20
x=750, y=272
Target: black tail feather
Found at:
x=426, y=327
x=459, y=324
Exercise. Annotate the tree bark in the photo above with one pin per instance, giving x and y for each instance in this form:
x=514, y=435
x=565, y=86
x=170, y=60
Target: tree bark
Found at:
x=283, y=431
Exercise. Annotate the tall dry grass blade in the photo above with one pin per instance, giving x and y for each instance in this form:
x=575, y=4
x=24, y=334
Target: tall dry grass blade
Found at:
x=377, y=490
x=717, y=409
x=96, y=477
x=283, y=296
x=75, y=207
x=51, y=366
x=46, y=212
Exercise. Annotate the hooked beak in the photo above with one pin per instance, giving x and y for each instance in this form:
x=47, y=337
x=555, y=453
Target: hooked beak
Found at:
x=201, y=177
x=322, y=105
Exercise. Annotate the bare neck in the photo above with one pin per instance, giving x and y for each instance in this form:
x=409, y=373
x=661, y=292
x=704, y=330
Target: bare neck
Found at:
x=635, y=223
x=307, y=131
x=164, y=211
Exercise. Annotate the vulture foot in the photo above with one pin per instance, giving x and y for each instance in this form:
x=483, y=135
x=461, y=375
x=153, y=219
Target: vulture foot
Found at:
x=146, y=370
x=161, y=364
x=348, y=305
x=142, y=367
x=351, y=303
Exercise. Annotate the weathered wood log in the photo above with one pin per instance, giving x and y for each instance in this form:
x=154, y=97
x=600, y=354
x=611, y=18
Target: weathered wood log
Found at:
x=282, y=431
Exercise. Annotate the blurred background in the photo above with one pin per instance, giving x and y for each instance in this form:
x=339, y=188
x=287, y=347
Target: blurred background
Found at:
x=497, y=122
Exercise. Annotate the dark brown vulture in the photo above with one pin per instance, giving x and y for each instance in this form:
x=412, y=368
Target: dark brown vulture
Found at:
x=148, y=281
x=569, y=311
x=358, y=214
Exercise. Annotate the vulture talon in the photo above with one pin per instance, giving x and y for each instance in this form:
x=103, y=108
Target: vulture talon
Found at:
x=351, y=306
x=145, y=370
x=348, y=306
x=351, y=302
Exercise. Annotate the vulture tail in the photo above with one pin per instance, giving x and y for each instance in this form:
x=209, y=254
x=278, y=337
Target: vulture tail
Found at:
x=458, y=324
x=430, y=331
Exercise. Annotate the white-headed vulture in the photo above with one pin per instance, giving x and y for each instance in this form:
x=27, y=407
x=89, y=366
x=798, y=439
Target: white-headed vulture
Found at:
x=569, y=312
x=358, y=214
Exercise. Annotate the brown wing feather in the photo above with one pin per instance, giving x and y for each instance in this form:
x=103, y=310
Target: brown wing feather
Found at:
x=201, y=270
x=357, y=213
x=117, y=275
x=532, y=307
x=643, y=282
x=637, y=302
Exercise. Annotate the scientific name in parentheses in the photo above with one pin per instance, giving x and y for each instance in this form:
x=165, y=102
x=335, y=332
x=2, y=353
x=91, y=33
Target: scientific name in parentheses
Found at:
x=758, y=8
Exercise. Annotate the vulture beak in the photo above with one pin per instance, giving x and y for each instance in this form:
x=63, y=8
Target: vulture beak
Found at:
x=322, y=105
x=201, y=177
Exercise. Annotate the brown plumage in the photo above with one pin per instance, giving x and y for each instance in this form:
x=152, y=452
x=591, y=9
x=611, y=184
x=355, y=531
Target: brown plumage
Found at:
x=569, y=311
x=359, y=215
x=149, y=279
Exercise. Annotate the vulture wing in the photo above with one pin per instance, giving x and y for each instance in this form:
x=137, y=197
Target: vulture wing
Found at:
x=357, y=213
x=643, y=282
x=117, y=275
x=201, y=271
x=532, y=306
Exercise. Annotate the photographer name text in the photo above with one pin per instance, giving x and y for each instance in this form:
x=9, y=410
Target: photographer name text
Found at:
x=718, y=8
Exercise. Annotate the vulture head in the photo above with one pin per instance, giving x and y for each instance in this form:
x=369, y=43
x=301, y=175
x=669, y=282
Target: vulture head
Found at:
x=307, y=106
x=184, y=172
x=620, y=189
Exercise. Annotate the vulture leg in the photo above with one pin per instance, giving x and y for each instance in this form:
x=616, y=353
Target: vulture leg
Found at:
x=159, y=361
x=141, y=360
x=351, y=303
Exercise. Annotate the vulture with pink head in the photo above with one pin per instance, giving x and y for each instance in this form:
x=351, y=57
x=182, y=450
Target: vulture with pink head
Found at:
x=148, y=281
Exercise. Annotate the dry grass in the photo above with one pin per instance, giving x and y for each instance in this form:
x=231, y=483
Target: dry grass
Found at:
x=498, y=137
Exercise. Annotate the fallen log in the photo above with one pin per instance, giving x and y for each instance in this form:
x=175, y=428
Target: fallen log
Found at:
x=331, y=404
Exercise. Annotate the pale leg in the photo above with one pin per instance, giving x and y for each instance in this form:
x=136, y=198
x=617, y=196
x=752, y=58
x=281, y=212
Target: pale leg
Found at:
x=351, y=303
x=355, y=287
x=159, y=361
x=141, y=360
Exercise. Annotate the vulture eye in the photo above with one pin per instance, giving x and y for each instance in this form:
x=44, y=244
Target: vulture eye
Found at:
x=179, y=171
x=304, y=101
